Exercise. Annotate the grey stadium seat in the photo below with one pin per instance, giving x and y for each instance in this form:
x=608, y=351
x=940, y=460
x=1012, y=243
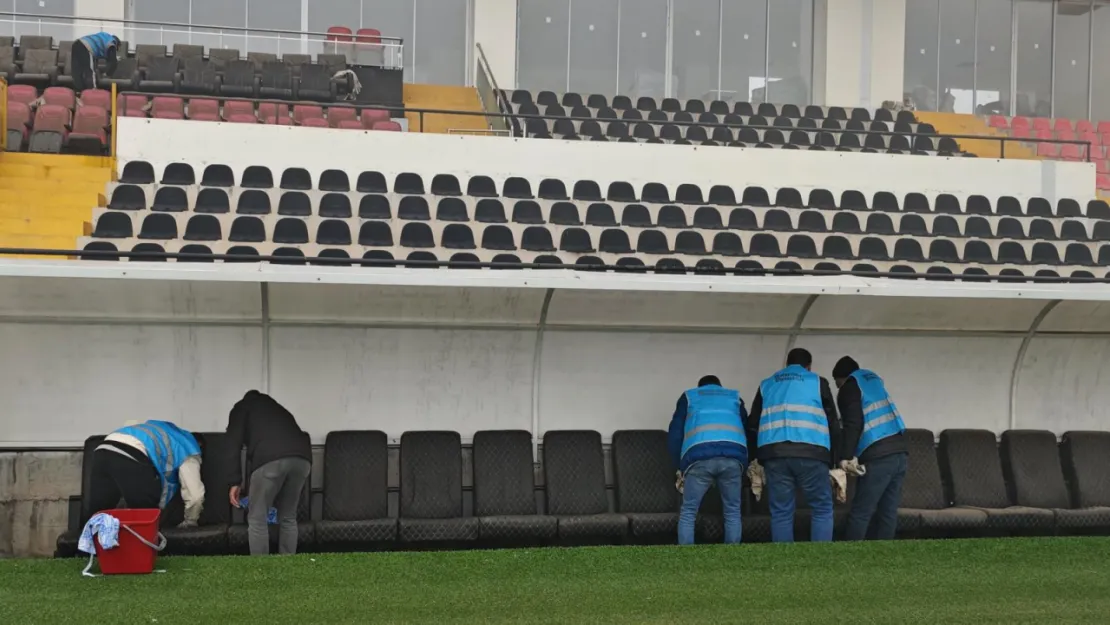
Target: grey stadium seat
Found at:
x=924, y=507
x=1031, y=463
x=504, y=491
x=1084, y=456
x=431, y=490
x=356, y=498
x=574, y=475
x=971, y=464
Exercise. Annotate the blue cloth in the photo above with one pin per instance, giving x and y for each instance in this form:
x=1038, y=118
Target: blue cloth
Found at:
x=878, y=494
x=784, y=476
x=271, y=516
x=727, y=473
x=880, y=416
x=103, y=526
x=167, y=446
x=683, y=457
x=792, y=409
x=99, y=44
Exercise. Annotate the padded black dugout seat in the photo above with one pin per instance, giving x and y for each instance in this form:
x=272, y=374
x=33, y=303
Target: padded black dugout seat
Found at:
x=431, y=490
x=574, y=475
x=356, y=495
x=1031, y=462
x=972, y=467
x=924, y=508
x=306, y=532
x=209, y=537
x=643, y=473
x=504, y=491
x=66, y=545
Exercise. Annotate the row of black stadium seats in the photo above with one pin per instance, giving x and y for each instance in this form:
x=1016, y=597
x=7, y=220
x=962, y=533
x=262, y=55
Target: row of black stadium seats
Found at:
x=334, y=205
x=334, y=180
x=697, y=106
x=1026, y=486
x=582, y=114
x=236, y=78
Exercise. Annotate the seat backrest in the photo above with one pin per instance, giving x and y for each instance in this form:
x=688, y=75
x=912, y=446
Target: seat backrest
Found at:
x=34, y=42
x=356, y=467
x=315, y=77
x=162, y=68
x=922, y=487
x=220, y=57
x=239, y=73
x=40, y=62
x=261, y=58
x=145, y=53
x=643, y=472
x=574, y=473
x=1086, y=457
x=91, y=443
x=504, y=477
x=214, y=473
x=970, y=464
x=1031, y=464
x=186, y=51
x=431, y=475
x=277, y=75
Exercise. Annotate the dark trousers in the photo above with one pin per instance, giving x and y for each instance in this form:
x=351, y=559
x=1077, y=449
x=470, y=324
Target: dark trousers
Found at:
x=875, y=503
x=82, y=64
x=115, y=477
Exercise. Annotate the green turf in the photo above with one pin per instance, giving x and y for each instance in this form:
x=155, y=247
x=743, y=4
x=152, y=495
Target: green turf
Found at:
x=1009, y=581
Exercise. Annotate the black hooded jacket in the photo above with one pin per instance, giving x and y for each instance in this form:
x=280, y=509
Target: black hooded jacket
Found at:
x=269, y=432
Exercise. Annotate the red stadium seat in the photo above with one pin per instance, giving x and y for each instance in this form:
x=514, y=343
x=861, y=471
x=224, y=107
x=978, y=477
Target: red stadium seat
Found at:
x=339, y=114
x=238, y=107
x=97, y=97
x=1105, y=138
x=1104, y=128
x=51, y=129
x=203, y=106
x=339, y=33
x=1098, y=152
x=1061, y=124
x=1090, y=137
x=167, y=107
x=1071, y=152
x=22, y=93
x=1041, y=123
x=278, y=121
x=368, y=35
x=1102, y=167
x=1065, y=135
x=387, y=126
x=19, y=113
x=62, y=96
x=998, y=121
x=315, y=122
x=204, y=117
x=1044, y=133
x=1084, y=125
x=268, y=110
x=1048, y=150
x=351, y=124
x=1103, y=181
x=1020, y=122
x=89, y=135
x=1021, y=132
x=303, y=112
x=242, y=118
x=372, y=116
x=52, y=113
x=131, y=105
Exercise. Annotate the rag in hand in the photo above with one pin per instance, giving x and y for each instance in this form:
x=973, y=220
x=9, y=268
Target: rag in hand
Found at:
x=757, y=478
x=271, y=517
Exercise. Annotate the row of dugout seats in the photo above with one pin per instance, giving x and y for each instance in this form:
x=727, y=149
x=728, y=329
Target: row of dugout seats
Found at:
x=968, y=486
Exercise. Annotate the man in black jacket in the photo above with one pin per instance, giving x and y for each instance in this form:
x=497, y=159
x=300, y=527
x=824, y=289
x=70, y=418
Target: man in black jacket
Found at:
x=873, y=434
x=280, y=456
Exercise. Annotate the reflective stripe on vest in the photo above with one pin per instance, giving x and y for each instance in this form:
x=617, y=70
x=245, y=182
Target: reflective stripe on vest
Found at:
x=880, y=416
x=167, y=446
x=792, y=409
x=712, y=416
x=98, y=44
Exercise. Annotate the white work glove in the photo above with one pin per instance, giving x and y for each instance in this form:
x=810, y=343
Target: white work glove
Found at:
x=187, y=524
x=839, y=481
x=853, y=467
x=755, y=475
x=680, y=482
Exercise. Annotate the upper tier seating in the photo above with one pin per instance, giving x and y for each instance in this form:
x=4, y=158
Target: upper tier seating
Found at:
x=1097, y=134
x=1032, y=486
x=409, y=219
x=741, y=124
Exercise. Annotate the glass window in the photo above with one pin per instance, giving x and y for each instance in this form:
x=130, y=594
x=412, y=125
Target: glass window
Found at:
x=394, y=18
x=60, y=30
x=790, y=62
x=323, y=15
x=957, y=57
x=439, y=50
x=221, y=13
x=1073, y=45
x=993, y=47
x=743, y=48
x=696, y=39
x=542, y=34
x=1034, y=58
x=920, y=76
x=164, y=11
x=593, y=46
x=643, y=48
x=1101, y=51
x=274, y=15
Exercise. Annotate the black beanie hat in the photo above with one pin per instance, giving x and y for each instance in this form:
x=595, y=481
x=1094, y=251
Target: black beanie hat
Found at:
x=845, y=367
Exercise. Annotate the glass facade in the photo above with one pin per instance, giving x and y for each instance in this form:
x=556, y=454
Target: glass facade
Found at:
x=1012, y=57
x=759, y=50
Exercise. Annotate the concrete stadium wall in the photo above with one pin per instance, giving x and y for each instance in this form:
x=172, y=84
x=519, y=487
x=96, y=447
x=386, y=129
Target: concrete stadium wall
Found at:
x=161, y=142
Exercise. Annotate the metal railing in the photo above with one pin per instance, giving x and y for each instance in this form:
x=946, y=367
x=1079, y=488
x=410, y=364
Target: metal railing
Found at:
x=388, y=53
x=489, y=93
x=4, y=114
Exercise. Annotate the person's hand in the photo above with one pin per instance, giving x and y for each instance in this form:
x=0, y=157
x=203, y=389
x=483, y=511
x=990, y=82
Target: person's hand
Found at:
x=844, y=465
x=233, y=496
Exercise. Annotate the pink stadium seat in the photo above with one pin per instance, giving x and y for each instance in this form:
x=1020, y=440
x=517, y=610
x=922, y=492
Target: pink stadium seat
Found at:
x=267, y=110
x=52, y=117
x=1041, y=123
x=304, y=112
x=1061, y=124
x=338, y=114
x=238, y=107
x=387, y=126
x=1048, y=150
x=204, y=117
x=1098, y=152
x=1102, y=167
x=1103, y=181
x=1019, y=122
x=1104, y=128
x=62, y=96
x=1044, y=133
x=19, y=114
x=350, y=124
x=88, y=134
x=998, y=121
x=1065, y=135
x=1019, y=132
x=315, y=122
x=372, y=116
x=278, y=121
x=203, y=106
x=1090, y=136
x=1071, y=152
x=1084, y=125
x=131, y=105
x=242, y=118
x=339, y=33
x=368, y=35
x=97, y=97
x=167, y=107
x=1105, y=138
x=22, y=93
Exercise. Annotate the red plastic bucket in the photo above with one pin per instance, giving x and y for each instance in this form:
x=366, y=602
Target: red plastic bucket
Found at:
x=131, y=556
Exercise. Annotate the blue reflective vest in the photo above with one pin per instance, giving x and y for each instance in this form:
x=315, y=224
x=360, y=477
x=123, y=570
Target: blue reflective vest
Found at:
x=167, y=446
x=792, y=409
x=712, y=416
x=98, y=44
x=880, y=416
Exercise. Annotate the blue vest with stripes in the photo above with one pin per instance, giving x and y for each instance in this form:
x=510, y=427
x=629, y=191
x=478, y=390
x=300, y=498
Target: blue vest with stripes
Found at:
x=98, y=44
x=792, y=409
x=880, y=416
x=167, y=446
x=712, y=416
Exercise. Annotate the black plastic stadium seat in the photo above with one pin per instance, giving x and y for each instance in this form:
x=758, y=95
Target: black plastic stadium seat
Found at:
x=290, y=230
x=597, y=214
x=356, y=496
x=158, y=226
x=574, y=476
x=128, y=197
x=137, y=172
x=179, y=174
x=375, y=234
x=970, y=461
x=294, y=204
x=217, y=176
x=504, y=491
x=257, y=177
x=334, y=180
x=490, y=211
x=431, y=507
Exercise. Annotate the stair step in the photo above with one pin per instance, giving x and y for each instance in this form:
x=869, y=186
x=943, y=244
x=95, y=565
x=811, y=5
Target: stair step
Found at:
x=38, y=241
x=42, y=227
x=51, y=186
x=99, y=175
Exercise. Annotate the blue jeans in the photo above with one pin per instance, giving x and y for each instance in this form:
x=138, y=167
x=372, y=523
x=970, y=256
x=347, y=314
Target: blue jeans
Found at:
x=812, y=476
x=878, y=494
x=700, y=476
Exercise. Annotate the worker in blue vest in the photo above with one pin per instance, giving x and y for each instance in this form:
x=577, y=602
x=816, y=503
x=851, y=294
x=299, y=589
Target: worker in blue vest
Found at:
x=86, y=52
x=795, y=426
x=145, y=465
x=873, y=437
x=708, y=445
